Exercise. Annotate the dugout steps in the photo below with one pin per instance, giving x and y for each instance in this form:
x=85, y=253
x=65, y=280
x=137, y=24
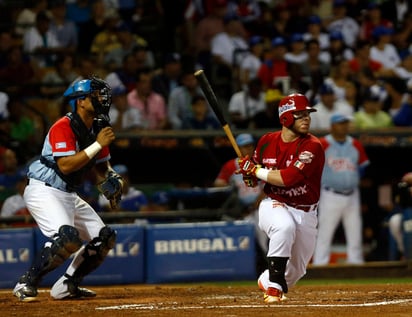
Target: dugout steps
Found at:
x=384, y=269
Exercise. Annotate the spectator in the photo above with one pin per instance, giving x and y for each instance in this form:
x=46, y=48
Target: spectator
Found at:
x=383, y=51
x=151, y=105
x=276, y=68
x=373, y=18
x=126, y=75
x=297, y=53
x=396, y=11
x=80, y=11
x=126, y=42
x=341, y=22
x=313, y=70
x=268, y=118
x=403, y=118
x=180, y=99
x=168, y=77
x=14, y=205
x=65, y=30
x=250, y=64
x=341, y=82
x=10, y=176
x=106, y=39
x=404, y=70
x=7, y=41
x=338, y=50
x=248, y=12
x=123, y=118
x=40, y=42
x=395, y=89
x=55, y=81
x=27, y=16
x=361, y=61
x=89, y=24
x=244, y=104
x=345, y=163
x=159, y=201
x=201, y=117
x=19, y=73
x=327, y=106
x=132, y=199
x=371, y=115
x=315, y=32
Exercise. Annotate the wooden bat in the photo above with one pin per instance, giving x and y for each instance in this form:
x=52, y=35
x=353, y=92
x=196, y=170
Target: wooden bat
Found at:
x=211, y=98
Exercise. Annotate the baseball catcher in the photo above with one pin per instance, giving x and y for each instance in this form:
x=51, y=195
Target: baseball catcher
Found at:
x=77, y=144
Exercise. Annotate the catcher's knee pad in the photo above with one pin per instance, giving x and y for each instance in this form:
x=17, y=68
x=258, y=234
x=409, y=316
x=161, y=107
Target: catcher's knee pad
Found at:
x=55, y=252
x=277, y=269
x=95, y=252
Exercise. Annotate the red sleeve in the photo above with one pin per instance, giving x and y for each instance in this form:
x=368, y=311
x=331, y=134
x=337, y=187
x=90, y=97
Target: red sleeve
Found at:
x=363, y=157
x=227, y=170
x=62, y=139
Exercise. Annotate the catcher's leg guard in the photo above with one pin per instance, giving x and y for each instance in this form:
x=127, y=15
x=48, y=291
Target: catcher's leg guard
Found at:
x=53, y=254
x=277, y=268
x=93, y=254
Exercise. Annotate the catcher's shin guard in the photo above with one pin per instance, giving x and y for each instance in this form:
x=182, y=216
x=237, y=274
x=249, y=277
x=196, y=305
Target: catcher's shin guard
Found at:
x=277, y=268
x=53, y=254
x=94, y=253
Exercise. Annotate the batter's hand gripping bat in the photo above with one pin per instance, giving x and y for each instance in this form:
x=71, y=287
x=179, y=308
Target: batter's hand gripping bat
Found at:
x=211, y=98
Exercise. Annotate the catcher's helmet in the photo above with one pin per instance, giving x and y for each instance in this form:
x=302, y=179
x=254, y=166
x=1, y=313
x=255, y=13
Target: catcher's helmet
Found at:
x=289, y=105
x=86, y=87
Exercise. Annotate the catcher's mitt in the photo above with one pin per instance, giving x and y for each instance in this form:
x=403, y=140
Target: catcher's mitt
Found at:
x=112, y=188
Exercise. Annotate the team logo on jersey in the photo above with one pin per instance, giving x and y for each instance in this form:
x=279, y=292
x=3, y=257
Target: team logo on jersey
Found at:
x=306, y=157
x=60, y=145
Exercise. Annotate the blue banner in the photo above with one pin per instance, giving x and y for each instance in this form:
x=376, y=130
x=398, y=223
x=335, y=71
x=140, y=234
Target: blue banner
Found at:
x=200, y=252
x=16, y=254
x=123, y=265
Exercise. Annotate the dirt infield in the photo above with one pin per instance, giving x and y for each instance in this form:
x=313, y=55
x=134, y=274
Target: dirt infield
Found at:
x=206, y=300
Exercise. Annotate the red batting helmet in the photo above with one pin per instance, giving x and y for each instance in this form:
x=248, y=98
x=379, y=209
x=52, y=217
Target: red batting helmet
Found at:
x=290, y=104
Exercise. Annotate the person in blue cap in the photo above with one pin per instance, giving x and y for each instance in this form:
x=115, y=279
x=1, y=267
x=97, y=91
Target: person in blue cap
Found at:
x=345, y=164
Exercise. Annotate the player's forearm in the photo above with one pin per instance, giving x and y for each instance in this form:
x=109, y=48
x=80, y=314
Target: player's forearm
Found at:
x=270, y=176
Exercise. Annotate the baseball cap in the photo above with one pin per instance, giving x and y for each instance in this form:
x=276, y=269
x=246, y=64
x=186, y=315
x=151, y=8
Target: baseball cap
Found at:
x=340, y=118
x=296, y=37
x=326, y=89
x=336, y=35
x=314, y=19
x=244, y=139
x=120, y=169
x=254, y=40
x=278, y=41
x=373, y=93
x=338, y=3
x=273, y=95
x=382, y=30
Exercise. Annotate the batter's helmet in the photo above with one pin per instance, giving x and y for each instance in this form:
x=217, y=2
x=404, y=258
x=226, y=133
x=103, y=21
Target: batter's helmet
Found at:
x=289, y=105
x=85, y=87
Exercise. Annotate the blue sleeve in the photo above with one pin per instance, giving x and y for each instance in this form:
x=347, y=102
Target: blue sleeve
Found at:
x=403, y=117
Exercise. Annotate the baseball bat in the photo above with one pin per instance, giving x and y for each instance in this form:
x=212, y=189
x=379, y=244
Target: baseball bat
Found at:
x=212, y=99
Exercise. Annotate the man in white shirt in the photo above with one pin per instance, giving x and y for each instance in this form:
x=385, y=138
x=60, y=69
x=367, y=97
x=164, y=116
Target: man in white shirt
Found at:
x=328, y=106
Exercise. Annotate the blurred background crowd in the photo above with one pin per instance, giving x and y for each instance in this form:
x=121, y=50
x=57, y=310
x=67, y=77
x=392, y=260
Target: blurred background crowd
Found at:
x=349, y=57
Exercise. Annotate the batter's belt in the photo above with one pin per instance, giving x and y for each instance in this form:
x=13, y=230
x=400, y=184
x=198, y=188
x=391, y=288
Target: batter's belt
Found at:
x=305, y=208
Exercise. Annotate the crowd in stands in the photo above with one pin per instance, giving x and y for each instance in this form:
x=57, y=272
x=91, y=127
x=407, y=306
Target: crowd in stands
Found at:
x=347, y=56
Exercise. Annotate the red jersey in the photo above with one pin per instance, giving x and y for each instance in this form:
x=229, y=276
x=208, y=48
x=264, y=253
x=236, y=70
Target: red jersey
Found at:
x=300, y=163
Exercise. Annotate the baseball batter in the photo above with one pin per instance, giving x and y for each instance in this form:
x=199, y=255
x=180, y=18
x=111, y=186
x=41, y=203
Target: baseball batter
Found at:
x=346, y=160
x=75, y=145
x=290, y=161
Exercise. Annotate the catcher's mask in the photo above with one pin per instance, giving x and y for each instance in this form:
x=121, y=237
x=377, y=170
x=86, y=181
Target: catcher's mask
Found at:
x=289, y=105
x=98, y=90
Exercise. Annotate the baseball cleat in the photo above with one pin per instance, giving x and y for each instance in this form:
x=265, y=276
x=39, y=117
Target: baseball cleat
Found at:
x=67, y=288
x=273, y=295
x=25, y=293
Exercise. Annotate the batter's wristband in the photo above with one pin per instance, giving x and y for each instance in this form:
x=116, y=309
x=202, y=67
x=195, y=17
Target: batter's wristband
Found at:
x=262, y=173
x=92, y=149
